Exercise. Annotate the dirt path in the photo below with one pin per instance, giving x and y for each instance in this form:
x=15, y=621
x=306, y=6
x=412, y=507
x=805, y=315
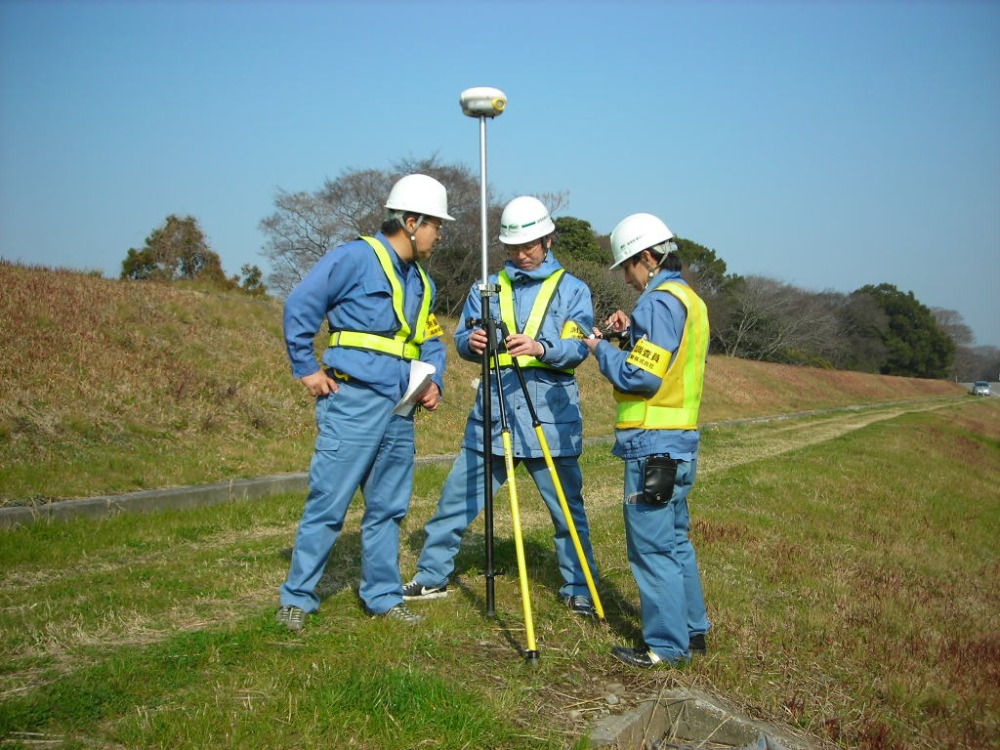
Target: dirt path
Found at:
x=773, y=436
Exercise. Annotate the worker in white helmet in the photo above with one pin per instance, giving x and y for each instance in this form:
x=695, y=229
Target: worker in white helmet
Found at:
x=376, y=300
x=657, y=381
x=547, y=312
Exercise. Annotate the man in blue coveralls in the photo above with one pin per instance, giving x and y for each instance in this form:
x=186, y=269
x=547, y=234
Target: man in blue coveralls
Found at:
x=376, y=300
x=547, y=312
x=657, y=383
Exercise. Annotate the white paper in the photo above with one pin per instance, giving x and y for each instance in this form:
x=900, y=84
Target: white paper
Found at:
x=420, y=377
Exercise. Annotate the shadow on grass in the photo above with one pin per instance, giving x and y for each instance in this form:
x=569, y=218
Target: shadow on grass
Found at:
x=343, y=571
x=622, y=617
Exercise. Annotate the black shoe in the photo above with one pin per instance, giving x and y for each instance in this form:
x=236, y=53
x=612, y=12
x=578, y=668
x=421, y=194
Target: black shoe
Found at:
x=413, y=591
x=581, y=605
x=292, y=617
x=401, y=613
x=635, y=657
x=697, y=644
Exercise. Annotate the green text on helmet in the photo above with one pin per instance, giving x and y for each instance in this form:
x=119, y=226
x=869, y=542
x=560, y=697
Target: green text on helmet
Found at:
x=525, y=219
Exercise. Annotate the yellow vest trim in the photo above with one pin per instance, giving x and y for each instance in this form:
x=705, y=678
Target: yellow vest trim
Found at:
x=535, y=317
x=383, y=344
x=406, y=343
x=677, y=401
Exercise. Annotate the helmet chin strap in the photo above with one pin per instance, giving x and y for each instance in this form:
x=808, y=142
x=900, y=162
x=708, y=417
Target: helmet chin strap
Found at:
x=413, y=236
x=659, y=264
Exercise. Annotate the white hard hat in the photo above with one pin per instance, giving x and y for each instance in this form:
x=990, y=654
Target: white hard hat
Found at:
x=525, y=219
x=419, y=194
x=636, y=233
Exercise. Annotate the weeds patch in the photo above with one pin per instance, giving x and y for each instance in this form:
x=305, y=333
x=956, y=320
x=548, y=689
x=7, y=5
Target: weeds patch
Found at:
x=849, y=581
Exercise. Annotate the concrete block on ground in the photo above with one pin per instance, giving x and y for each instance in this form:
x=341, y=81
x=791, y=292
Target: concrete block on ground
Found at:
x=689, y=716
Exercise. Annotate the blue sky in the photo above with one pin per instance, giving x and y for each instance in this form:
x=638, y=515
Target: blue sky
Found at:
x=825, y=144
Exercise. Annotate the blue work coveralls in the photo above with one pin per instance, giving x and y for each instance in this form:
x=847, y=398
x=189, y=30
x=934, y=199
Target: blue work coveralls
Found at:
x=660, y=553
x=360, y=442
x=556, y=400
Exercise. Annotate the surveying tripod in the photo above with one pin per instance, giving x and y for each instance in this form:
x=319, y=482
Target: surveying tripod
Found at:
x=496, y=335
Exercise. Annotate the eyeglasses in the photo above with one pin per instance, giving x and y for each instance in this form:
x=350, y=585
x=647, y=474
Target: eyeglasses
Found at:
x=524, y=247
x=436, y=223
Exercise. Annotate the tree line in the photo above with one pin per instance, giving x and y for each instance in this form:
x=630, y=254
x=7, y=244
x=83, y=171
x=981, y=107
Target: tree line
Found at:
x=877, y=328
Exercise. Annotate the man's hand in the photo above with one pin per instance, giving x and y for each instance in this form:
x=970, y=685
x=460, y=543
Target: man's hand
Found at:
x=430, y=399
x=595, y=338
x=618, y=321
x=477, y=341
x=319, y=384
x=519, y=345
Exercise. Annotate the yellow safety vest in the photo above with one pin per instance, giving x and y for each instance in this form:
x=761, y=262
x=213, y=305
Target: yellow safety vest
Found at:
x=406, y=343
x=535, y=317
x=675, y=404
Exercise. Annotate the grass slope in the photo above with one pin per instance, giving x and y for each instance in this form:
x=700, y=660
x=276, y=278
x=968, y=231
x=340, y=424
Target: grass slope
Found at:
x=849, y=564
x=849, y=558
x=111, y=386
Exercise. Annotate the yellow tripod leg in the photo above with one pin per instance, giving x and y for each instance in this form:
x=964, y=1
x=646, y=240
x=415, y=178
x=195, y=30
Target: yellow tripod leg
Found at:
x=598, y=607
x=529, y=626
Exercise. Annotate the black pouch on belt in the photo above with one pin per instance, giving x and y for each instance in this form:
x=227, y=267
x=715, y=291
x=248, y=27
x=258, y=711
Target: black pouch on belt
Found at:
x=658, y=481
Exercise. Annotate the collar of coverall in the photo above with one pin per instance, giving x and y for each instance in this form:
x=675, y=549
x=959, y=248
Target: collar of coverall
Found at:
x=545, y=269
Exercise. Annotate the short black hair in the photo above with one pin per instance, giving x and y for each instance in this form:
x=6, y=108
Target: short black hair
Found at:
x=669, y=262
x=673, y=262
x=395, y=222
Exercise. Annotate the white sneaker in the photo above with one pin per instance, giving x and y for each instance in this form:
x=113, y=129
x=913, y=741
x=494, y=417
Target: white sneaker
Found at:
x=413, y=591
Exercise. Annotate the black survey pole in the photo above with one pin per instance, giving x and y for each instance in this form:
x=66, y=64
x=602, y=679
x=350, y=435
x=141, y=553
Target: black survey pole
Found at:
x=484, y=297
x=483, y=102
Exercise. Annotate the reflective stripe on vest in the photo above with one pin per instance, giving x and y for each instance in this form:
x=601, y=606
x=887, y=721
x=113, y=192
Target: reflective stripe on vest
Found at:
x=541, y=305
x=676, y=402
x=404, y=344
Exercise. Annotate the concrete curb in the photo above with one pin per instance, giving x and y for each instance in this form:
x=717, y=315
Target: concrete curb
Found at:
x=689, y=716
x=148, y=501
x=153, y=500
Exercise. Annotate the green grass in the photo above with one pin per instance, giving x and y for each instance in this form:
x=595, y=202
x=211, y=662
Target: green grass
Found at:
x=114, y=386
x=849, y=562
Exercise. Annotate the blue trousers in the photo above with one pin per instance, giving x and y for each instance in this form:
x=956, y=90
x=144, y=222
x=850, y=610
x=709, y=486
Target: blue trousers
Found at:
x=663, y=563
x=462, y=501
x=361, y=444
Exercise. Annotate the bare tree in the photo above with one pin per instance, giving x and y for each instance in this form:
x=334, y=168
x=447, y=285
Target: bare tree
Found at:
x=952, y=324
x=306, y=225
x=774, y=322
x=457, y=261
x=857, y=342
x=977, y=363
x=299, y=233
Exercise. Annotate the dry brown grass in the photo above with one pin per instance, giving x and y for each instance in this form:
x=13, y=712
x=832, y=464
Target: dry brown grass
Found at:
x=191, y=383
x=113, y=386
